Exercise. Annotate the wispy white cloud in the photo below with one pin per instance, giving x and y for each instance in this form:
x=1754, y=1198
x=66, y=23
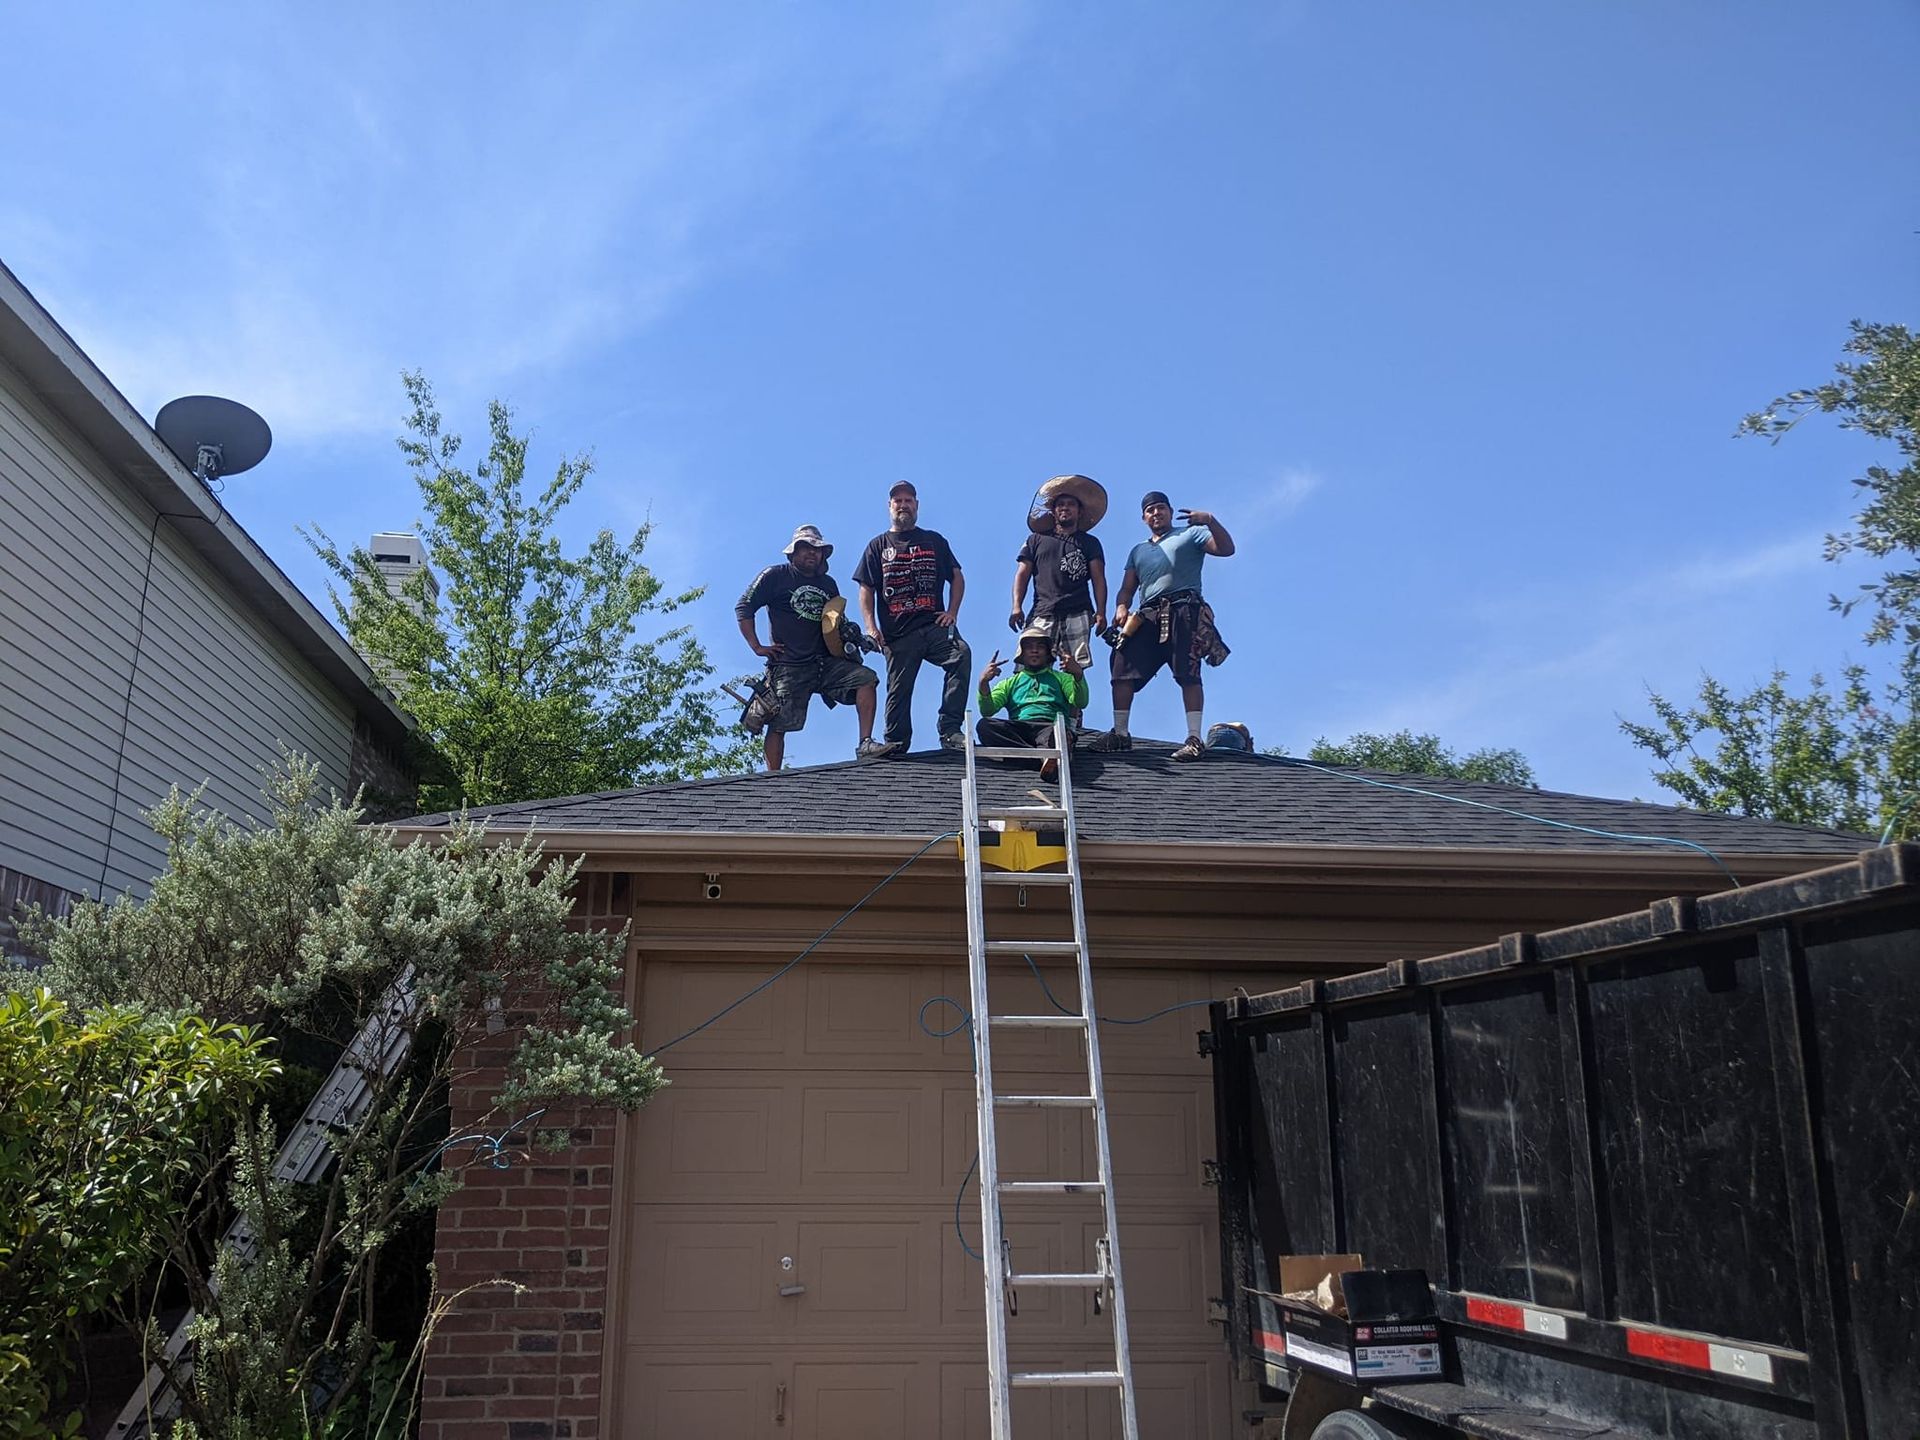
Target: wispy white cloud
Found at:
x=1279, y=498
x=349, y=216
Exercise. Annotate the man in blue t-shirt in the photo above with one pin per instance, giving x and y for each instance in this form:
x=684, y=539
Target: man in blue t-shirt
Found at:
x=799, y=663
x=1172, y=625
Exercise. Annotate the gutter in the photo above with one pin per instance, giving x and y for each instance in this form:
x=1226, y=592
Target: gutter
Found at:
x=1191, y=864
x=58, y=371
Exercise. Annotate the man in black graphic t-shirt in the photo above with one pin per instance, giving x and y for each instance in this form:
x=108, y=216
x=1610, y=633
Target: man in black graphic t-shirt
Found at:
x=902, y=577
x=799, y=664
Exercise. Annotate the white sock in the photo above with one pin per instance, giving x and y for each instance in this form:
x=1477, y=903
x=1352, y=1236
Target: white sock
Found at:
x=1193, y=722
x=1120, y=721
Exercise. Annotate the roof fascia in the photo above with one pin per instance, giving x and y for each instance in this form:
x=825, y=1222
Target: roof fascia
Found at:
x=76, y=390
x=1186, y=863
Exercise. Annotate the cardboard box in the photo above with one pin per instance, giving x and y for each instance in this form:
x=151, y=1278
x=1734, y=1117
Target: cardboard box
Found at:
x=1335, y=1315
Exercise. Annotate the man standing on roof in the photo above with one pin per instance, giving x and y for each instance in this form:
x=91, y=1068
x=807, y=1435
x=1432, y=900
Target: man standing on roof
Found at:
x=1066, y=566
x=1034, y=695
x=1173, y=625
x=799, y=663
x=911, y=570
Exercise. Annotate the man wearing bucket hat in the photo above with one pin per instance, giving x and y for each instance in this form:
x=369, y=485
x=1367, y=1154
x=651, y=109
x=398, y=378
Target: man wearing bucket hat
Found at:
x=905, y=573
x=1033, y=696
x=800, y=661
x=1175, y=626
x=1065, y=565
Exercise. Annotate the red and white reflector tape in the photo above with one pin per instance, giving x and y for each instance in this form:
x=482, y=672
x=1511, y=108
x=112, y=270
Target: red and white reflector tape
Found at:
x=1523, y=1318
x=1273, y=1342
x=1700, y=1354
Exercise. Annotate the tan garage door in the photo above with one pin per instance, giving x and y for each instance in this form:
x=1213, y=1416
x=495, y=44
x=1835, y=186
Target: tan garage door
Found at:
x=790, y=1262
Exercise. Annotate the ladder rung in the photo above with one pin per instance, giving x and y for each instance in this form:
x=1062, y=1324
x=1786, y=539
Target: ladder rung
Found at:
x=1022, y=812
x=1033, y=947
x=1025, y=877
x=1050, y=1187
x=1039, y=1022
x=1016, y=752
x=1065, y=1377
x=1085, y=1282
x=1043, y=1102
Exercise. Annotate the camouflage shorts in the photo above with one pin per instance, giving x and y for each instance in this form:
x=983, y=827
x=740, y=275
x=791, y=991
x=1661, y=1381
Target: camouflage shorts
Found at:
x=833, y=679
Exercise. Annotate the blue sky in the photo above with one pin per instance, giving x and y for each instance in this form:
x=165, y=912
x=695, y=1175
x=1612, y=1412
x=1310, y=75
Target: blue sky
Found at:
x=1449, y=311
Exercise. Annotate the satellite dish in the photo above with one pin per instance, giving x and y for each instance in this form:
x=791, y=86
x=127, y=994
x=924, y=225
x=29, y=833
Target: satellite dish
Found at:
x=213, y=437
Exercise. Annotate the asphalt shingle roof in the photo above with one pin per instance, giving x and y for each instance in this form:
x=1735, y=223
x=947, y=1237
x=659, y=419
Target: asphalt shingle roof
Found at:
x=1143, y=795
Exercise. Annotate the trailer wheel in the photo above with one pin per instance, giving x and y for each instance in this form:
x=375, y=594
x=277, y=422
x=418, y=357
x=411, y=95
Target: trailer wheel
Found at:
x=1356, y=1425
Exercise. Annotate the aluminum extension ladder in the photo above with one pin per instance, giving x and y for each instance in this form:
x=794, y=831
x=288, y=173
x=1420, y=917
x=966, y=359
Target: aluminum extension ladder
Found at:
x=1001, y=1279
x=305, y=1157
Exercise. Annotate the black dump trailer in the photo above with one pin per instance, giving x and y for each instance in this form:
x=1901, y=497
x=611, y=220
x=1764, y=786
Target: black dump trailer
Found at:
x=1662, y=1170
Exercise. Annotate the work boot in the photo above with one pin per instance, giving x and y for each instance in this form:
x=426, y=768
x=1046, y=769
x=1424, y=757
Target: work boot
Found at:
x=1192, y=750
x=1110, y=742
x=872, y=749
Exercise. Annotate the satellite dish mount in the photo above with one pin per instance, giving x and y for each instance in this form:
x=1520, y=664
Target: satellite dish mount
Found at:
x=213, y=437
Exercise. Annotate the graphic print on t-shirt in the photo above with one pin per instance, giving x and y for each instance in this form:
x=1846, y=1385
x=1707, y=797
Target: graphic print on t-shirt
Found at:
x=808, y=601
x=909, y=579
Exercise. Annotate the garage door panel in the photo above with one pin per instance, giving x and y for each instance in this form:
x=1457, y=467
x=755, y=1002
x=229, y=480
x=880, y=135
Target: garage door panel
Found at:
x=678, y=1398
x=1174, y=1397
x=862, y=1011
x=676, y=998
x=1158, y=1134
x=1049, y=1413
x=705, y=1275
x=1162, y=1046
x=1167, y=1269
x=873, y=1276
x=1029, y=1143
x=872, y=1142
x=856, y=1400
x=1039, y=1243
x=700, y=1140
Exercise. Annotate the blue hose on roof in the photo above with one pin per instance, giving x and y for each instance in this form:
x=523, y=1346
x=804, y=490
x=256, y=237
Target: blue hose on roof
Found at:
x=1517, y=814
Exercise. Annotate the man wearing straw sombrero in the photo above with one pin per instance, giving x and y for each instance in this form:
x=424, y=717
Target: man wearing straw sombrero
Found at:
x=806, y=654
x=1066, y=567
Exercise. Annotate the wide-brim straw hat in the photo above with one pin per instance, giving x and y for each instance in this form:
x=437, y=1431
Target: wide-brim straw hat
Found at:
x=1088, y=491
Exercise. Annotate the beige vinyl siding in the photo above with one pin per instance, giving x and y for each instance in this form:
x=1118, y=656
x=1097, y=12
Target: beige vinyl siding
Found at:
x=216, y=695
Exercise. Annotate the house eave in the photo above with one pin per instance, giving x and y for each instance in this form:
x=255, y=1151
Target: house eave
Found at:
x=74, y=388
x=1224, y=863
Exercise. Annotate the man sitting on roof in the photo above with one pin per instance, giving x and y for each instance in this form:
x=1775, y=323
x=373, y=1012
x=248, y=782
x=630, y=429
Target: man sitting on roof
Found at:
x=800, y=664
x=1033, y=696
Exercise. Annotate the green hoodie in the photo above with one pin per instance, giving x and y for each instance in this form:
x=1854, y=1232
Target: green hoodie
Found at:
x=1037, y=694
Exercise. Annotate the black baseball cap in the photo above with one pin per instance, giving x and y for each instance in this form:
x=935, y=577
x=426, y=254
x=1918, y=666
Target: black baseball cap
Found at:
x=906, y=485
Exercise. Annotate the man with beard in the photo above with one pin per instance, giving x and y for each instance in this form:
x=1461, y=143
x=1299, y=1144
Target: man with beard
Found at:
x=908, y=570
x=1174, y=625
x=799, y=665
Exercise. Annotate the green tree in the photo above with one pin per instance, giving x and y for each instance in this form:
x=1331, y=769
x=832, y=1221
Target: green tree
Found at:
x=304, y=926
x=1877, y=392
x=112, y=1123
x=1405, y=753
x=1846, y=757
x=528, y=676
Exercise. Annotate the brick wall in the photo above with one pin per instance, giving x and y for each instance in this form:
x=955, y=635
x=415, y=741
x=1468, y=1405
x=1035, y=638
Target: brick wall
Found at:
x=526, y=1364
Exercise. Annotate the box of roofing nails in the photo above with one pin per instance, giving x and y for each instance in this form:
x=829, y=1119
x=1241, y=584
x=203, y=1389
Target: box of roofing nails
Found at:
x=1333, y=1314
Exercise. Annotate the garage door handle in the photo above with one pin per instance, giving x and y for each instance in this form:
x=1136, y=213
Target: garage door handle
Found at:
x=780, y=1404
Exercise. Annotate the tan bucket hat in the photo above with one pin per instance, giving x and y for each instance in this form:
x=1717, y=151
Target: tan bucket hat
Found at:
x=807, y=535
